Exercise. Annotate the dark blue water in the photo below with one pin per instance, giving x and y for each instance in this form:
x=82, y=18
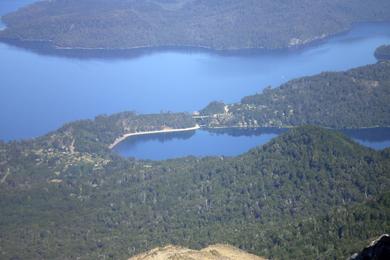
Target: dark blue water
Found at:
x=40, y=91
x=226, y=142
x=376, y=138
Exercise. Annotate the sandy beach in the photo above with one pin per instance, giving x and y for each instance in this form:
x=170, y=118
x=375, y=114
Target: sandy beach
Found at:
x=120, y=139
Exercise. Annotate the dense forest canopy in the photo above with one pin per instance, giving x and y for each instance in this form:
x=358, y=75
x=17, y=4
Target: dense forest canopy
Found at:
x=308, y=192
x=216, y=24
x=352, y=99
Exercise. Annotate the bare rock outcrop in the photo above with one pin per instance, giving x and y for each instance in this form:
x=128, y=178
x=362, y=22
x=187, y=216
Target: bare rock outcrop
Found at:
x=214, y=252
x=379, y=249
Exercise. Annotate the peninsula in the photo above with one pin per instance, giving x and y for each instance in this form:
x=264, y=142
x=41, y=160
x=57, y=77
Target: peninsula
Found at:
x=162, y=131
x=357, y=98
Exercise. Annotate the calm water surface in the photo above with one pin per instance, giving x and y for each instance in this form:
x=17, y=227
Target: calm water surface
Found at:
x=376, y=138
x=40, y=92
x=226, y=142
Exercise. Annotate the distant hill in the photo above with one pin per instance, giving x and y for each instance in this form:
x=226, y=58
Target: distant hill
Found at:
x=352, y=99
x=215, y=252
x=215, y=24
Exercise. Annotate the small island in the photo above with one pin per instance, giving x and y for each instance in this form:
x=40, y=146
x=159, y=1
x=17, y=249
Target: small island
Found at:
x=383, y=52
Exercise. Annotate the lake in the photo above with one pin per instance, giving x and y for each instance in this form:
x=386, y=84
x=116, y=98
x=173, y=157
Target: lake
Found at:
x=225, y=142
x=41, y=90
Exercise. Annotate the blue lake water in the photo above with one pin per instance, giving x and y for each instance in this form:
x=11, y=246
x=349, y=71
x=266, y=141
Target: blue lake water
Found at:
x=41, y=90
x=226, y=142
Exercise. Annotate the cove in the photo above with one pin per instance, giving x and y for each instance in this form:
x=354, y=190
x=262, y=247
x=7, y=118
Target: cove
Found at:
x=225, y=142
x=41, y=91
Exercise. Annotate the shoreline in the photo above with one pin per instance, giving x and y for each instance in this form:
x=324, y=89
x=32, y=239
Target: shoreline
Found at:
x=44, y=45
x=173, y=130
x=294, y=126
x=197, y=127
x=48, y=46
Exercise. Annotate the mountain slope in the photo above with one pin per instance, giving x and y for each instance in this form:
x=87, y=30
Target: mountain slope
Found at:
x=377, y=250
x=216, y=24
x=100, y=204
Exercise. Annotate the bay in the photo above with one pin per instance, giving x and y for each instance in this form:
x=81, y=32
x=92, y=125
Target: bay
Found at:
x=226, y=142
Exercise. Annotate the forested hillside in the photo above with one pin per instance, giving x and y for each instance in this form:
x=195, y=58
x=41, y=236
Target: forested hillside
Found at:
x=298, y=196
x=96, y=135
x=215, y=24
x=352, y=99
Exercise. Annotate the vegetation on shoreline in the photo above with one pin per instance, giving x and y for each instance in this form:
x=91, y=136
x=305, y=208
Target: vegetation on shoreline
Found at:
x=98, y=134
x=353, y=99
x=383, y=52
x=214, y=24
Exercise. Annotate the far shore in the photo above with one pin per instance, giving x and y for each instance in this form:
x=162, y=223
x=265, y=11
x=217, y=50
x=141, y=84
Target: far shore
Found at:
x=122, y=138
x=48, y=45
